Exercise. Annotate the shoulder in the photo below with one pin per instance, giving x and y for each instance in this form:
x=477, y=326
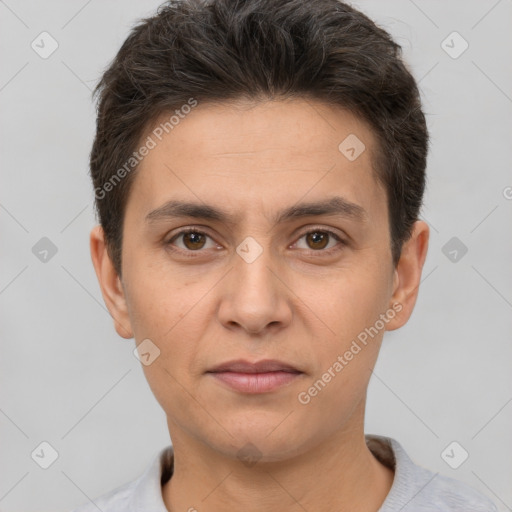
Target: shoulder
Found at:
x=452, y=495
x=420, y=490
x=144, y=493
x=114, y=501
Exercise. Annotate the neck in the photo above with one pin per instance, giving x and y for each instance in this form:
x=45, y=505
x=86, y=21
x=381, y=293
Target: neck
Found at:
x=339, y=474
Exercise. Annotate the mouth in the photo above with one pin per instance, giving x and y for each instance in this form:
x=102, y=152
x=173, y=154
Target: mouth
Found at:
x=259, y=377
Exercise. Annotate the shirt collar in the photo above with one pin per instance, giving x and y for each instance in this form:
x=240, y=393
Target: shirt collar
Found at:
x=147, y=491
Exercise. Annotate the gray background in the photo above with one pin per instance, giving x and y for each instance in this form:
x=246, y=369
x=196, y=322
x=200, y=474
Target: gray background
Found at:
x=68, y=379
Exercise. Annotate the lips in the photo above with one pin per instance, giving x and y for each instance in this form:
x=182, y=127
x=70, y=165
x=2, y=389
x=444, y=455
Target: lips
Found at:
x=264, y=366
x=253, y=378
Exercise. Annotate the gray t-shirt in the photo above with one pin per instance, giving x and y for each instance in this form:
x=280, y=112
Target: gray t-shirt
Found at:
x=414, y=488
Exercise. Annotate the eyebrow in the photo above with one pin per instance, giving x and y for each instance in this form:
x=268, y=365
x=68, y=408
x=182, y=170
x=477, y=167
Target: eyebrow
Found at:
x=336, y=206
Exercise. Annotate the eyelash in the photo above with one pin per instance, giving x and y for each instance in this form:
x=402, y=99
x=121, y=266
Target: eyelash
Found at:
x=325, y=252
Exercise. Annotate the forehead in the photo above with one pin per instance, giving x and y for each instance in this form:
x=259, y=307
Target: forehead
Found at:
x=256, y=154
x=249, y=128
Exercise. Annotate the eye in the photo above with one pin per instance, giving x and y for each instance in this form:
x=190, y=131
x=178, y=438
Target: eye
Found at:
x=318, y=241
x=191, y=240
x=321, y=240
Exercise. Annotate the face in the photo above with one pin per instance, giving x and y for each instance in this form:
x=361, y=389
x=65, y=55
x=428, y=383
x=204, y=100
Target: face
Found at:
x=289, y=260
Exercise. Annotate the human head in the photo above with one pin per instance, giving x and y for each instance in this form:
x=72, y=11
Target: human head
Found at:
x=259, y=139
x=195, y=51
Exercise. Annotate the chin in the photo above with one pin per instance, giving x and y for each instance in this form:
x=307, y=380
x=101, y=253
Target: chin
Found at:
x=261, y=441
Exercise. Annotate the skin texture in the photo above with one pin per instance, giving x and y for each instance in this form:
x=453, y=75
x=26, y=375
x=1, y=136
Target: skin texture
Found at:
x=296, y=302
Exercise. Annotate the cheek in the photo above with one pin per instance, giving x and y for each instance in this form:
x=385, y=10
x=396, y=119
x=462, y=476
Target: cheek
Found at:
x=344, y=362
x=155, y=297
x=172, y=313
x=351, y=307
x=351, y=302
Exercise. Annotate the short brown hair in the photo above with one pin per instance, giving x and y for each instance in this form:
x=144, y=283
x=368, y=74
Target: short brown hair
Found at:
x=221, y=50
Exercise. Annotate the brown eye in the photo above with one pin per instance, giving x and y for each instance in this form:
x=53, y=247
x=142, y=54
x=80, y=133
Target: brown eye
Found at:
x=193, y=240
x=320, y=242
x=190, y=240
x=317, y=239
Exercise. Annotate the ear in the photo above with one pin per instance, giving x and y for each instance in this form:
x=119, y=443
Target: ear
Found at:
x=110, y=283
x=407, y=274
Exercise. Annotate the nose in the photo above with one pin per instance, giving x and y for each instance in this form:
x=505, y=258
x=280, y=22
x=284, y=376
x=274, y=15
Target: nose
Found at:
x=255, y=297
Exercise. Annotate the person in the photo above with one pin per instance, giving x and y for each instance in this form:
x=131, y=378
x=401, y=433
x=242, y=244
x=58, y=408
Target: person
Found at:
x=259, y=169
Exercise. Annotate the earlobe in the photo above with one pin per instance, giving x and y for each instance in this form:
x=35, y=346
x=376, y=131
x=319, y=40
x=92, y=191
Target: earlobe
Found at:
x=407, y=275
x=110, y=283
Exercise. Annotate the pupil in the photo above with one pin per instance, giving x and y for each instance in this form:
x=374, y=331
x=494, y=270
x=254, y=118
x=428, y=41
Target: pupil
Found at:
x=319, y=237
x=194, y=239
